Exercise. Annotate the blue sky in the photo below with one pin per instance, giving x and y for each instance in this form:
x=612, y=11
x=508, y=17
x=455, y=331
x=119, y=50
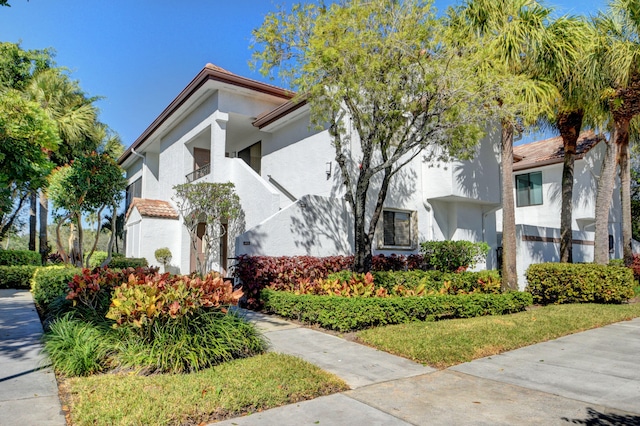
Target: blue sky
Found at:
x=140, y=54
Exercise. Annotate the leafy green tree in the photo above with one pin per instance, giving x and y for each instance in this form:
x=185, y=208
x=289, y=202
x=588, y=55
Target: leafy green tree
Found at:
x=17, y=67
x=88, y=185
x=382, y=69
x=512, y=36
x=618, y=62
x=25, y=133
x=210, y=205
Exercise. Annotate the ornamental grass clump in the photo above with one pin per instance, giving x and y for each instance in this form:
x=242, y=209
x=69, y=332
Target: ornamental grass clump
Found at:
x=77, y=347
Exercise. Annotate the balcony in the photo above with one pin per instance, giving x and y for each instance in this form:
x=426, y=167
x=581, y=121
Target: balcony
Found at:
x=199, y=173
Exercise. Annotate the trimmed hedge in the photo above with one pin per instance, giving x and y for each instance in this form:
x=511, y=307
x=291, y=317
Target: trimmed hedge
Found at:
x=346, y=314
x=51, y=282
x=128, y=262
x=19, y=258
x=556, y=283
x=16, y=276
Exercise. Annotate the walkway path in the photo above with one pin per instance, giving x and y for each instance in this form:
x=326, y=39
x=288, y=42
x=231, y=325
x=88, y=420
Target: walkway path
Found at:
x=589, y=378
x=28, y=388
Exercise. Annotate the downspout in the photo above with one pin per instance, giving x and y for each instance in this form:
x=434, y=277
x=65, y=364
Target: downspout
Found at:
x=144, y=159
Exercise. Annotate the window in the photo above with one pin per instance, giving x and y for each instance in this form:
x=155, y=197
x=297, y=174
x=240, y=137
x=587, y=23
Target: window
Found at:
x=529, y=189
x=397, y=228
x=133, y=190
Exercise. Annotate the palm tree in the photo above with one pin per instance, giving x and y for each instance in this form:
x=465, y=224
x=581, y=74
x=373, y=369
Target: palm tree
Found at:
x=75, y=115
x=618, y=58
x=511, y=36
x=578, y=98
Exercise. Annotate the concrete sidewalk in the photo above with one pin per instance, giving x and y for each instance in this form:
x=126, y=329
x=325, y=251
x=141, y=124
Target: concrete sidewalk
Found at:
x=589, y=378
x=28, y=388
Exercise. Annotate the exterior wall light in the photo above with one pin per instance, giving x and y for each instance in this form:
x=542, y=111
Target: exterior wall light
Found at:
x=328, y=169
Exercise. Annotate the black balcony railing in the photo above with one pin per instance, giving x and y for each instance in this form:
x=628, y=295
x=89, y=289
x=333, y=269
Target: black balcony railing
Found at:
x=197, y=174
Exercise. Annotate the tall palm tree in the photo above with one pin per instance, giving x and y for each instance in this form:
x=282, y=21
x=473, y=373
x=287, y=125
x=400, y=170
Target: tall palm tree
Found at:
x=618, y=58
x=511, y=35
x=577, y=100
x=75, y=115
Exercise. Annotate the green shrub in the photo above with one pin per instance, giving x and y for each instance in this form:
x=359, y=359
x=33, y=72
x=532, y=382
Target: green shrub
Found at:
x=19, y=258
x=575, y=283
x=97, y=258
x=191, y=344
x=16, y=276
x=163, y=256
x=50, y=282
x=118, y=262
x=452, y=256
x=78, y=348
x=344, y=314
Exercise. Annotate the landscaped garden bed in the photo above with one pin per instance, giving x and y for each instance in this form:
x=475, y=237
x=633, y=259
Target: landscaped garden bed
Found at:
x=135, y=346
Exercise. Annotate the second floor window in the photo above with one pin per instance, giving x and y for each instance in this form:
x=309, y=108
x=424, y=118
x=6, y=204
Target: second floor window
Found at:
x=529, y=189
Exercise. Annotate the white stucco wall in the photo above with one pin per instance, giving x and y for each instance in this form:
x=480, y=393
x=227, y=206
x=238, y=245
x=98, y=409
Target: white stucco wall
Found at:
x=476, y=179
x=147, y=234
x=314, y=225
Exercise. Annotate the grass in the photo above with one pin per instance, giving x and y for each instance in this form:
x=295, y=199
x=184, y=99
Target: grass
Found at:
x=228, y=390
x=445, y=343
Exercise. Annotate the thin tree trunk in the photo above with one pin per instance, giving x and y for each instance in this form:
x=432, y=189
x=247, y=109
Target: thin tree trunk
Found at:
x=625, y=199
x=44, y=219
x=33, y=201
x=569, y=125
x=509, y=271
x=606, y=183
x=79, y=242
x=61, y=251
x=95, y=241
x=113, y=237
x=7, y=226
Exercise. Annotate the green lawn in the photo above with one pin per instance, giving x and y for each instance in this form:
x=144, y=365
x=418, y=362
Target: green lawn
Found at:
x=445, y=343
x=228, y=390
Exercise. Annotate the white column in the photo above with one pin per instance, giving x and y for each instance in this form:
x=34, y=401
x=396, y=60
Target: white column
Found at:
x=219, y=169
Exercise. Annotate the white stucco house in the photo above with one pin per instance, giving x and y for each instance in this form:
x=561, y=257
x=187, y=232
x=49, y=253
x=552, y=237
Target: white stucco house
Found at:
x=226, y=128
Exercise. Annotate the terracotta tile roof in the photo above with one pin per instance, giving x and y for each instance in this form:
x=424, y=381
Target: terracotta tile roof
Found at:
x=153, y=208
x=551, y=151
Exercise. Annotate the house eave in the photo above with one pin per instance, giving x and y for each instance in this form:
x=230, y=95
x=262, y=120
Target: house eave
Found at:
x=208, y=73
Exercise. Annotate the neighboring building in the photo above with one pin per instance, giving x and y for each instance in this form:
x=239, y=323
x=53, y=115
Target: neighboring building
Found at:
x=227, y=128
x=537, y=173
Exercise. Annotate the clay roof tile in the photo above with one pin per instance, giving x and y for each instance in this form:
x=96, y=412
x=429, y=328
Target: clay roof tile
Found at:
x=153, y=208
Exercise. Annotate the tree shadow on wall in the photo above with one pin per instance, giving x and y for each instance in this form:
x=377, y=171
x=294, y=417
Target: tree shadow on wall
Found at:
x=327, y=223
